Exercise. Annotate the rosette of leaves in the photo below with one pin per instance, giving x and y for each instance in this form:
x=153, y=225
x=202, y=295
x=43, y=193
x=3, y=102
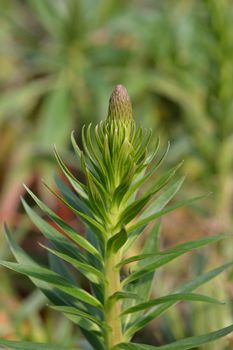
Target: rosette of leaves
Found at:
x=115, y=211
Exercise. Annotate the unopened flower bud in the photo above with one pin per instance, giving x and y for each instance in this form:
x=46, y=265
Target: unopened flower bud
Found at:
x=120, y=107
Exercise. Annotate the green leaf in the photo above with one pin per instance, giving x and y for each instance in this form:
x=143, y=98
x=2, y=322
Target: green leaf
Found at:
x=186, y=288
x=88, y=271
x=171, y=297
x=75, y=146
x=55, y=296
x=77, y=185
x=71, y=197
x=84, y=323
x=163, y=180
x=144, y=221
x=184, y=344
x=134, y=208
x=23, y=258
x=135, y=258
x=89, y=220
x=160, y=202
x=148, y=175
x=68, y=230
x=96, y=342
x=124, y=295
x=117, y=241
x=180, y=248
x=142, y=287
x=17, y=345
x=57, y=238
x=95, y=156
x=164, y=257
x=58, y=265
x=16, y=250
x=74, y=311
x=54, y=280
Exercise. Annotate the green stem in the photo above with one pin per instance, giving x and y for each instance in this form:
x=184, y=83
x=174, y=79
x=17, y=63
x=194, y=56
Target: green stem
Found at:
x=113, y=308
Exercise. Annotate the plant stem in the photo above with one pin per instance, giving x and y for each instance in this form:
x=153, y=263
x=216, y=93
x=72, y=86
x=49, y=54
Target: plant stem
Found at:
x=113, y=309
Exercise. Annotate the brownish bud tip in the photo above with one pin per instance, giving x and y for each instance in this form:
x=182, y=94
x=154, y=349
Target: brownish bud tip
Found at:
x=120, y=107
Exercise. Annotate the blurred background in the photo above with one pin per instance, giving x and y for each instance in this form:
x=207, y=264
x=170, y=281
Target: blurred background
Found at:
x=59, y=62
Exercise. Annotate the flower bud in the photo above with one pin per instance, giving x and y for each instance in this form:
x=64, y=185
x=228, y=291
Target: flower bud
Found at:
x=120, y=107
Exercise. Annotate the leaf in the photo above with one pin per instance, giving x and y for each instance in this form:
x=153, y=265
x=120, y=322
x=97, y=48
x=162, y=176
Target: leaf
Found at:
x=74, y=311
x=144, y=221
x=117, y=241
x=95, y=156
x=161, y=201
x=71, y=197
x=54, y=280
x=171, y=297
x=142, y=287
x=55, y=296
x=180, y=248
x=96, y=342
x=89, y=220
x=68, y=230
x=77, y=185
x=188, y=287
x=146, y=176
x=57, y=238
x=134, y=208
x=135, y=258
x=58, y=265
x=23, y=258
x=171, y=254
x=17, y=345
x=88, y=271
x=156, y=206
x=163, y=180
x=124, y=295
x=184, y=344
x=75, y=145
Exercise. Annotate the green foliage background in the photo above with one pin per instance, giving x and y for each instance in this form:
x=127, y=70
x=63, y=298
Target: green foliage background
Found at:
x=59, y=62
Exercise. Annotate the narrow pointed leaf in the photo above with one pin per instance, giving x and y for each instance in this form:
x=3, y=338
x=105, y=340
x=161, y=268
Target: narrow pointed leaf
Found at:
x=88, y=271
x=57, y=238
x=17, y=345
x=74, y=311
x=77, y=186
x=71, y=197
x=54, y=280
x=171, y=297
x=180, y=248
x=143, y=285
x=144, y=221
x=124, y=295
x=89, y=220
x=117, y=241
x=170, y=255
x=69, y=231
x=184, y=344
x=188, y=287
